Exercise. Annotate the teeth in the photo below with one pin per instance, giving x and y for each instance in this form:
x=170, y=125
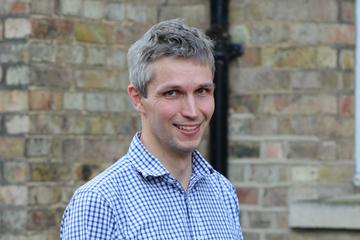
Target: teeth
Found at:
x=187, y=128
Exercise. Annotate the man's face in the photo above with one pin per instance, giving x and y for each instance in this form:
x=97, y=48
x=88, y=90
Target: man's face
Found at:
x=178, y=106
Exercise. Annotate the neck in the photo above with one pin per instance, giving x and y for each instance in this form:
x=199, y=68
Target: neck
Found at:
x=178, y=164
x=180, y=168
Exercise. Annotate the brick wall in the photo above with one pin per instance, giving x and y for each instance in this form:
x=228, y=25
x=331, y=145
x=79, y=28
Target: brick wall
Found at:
x=292, y=110
x=64, y=113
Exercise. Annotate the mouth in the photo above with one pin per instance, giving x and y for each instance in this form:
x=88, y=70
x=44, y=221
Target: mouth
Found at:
x=188, y=128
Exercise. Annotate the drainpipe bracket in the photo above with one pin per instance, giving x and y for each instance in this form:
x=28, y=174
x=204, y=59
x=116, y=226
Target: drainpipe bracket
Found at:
x=224, y=49
x=235, y=50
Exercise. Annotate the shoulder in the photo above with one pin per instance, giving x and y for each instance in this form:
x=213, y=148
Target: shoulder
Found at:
x=227, y=193
x=104, y=189
x=81, y=218
x=222, y=182
x=225, y=188
x=97, y=203
x=110, y=180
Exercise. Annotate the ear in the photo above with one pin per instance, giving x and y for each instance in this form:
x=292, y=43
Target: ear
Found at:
x=135, y=97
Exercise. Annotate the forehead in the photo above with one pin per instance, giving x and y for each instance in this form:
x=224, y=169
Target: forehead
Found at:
x=180, y=71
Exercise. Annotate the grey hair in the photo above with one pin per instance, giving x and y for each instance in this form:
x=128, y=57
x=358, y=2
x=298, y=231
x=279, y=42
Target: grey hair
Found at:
x=171, y=38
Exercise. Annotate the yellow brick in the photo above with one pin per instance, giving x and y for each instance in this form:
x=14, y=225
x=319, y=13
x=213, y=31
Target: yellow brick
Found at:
x=101, y=125
x=13, y=101
x=347, y=59
x=96, y=78
x=93, y=32
x=303, y=57
x=335, y=173
x=12, y=147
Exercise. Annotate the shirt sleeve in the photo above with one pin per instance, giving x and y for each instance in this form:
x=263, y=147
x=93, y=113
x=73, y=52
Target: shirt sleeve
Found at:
x=88, y=216
x=233, y=203
x=236, y=212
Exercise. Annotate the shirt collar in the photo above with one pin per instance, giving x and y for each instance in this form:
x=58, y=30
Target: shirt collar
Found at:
x=200, y=166
x=148, y=165
x=143, y=160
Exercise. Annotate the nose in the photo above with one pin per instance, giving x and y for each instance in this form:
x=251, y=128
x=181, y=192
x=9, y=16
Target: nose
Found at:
x=189, y=108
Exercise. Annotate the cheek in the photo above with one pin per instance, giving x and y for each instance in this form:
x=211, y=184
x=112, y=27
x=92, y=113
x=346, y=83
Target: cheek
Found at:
x=165, y=109
x=207, y=107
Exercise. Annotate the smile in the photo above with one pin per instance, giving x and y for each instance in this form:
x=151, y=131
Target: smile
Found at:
x=188, y=128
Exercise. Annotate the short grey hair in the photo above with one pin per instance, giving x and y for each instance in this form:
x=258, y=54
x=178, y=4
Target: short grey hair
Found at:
x=171, y=38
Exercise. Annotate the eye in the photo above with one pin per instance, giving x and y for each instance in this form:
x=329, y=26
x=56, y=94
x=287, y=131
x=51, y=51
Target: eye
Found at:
x=171, y=93
x=204, y=91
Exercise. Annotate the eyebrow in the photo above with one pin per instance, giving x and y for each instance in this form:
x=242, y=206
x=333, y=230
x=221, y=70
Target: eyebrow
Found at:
x=205, y=85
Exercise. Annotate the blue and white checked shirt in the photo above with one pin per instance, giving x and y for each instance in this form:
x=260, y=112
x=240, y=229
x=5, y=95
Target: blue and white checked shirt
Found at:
x=137, y=198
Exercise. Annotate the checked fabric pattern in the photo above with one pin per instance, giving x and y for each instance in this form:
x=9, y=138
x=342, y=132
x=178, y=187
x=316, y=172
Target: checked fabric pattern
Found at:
x=137, y=198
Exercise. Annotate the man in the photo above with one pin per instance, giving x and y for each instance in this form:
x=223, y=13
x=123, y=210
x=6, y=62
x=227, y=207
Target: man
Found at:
x=162, y=188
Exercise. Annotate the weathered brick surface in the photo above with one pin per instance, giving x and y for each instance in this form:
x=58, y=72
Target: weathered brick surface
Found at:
x=93, y=9
x=115, y=11
x=49, y=172
x=275, y=196
x=347, y=11
x=303, y=57
x=17, y=124
x=95, y=102
x=14, y=7
x=50, y=76
x=248, y=195
x=295, y=34
x=11, y=101
x=95, y=78
x=17, y=76
x=109, y=150
x=13, y=195
x=129, y=32
x=17, y=28
x=196, y=15
x=37, y=147
x=13, y=52
x=346, y=105
x=292, y=102
x=259, y=220
x=44, y=195
x=93, y=33
x=40, y=100
x=74, y=124
x=72, y=149
x=70, y=7
x=14, y=220
x=49, y=28
x=273, y=150
x=45, y=124
x=12, y=147
x=73, y=101
x=301, y=104
x=314, y=10
x=42, y=52
x=45, y=7
x=72, y=54
x=323, y=235
x=101, y=125
x=16, y=172
x=347, y=59
x=41, y=219
x=117, y=58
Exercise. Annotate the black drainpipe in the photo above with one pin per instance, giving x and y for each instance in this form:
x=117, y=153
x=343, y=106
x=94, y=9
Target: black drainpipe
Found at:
x=224, y=53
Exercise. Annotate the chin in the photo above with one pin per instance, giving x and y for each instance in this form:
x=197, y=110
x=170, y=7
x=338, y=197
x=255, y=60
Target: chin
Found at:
x=189, y=147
